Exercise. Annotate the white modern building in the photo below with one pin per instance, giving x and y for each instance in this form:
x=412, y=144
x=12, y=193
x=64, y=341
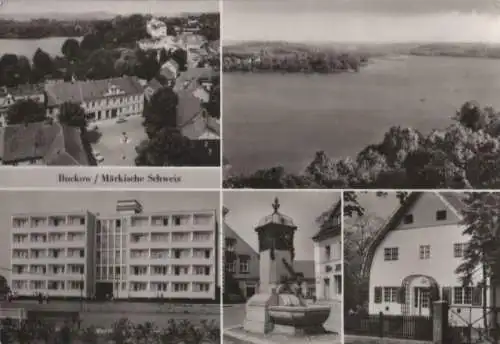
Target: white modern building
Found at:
x=53, y=254
x=126, y=255
x=413, y=258
x=328, y=259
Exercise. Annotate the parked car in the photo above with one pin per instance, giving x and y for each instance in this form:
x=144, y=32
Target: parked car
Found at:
x=121, y=120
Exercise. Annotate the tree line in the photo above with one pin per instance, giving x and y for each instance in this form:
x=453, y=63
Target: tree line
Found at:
x=294, y=62
x=464, y=155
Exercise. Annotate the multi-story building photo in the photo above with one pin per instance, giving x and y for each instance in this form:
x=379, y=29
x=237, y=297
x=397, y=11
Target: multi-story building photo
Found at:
x=113, y=245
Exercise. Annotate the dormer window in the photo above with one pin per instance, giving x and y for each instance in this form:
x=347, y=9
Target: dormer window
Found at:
x=441, y=215
x=408, y=219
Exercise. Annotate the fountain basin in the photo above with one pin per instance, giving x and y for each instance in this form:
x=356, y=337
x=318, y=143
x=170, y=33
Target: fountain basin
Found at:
x=299, y=320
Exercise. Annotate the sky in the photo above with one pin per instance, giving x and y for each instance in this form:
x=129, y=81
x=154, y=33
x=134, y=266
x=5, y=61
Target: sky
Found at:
x=362, y=21
x=247, y=208
x=103, y=202
x=123, y=7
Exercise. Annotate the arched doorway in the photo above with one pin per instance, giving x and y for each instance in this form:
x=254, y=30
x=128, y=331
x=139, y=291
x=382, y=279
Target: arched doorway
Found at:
x=417, y=294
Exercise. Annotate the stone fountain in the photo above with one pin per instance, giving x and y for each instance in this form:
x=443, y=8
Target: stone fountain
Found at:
x=279, y=306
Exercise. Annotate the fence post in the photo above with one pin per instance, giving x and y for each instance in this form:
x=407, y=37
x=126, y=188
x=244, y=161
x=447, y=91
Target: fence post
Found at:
x=381, y=324
x=439, y=322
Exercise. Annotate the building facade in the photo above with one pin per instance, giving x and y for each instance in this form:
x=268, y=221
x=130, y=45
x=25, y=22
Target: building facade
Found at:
x=127, y=255
x=241, y=264
x=328, y=258
x=53, y=254
x=100, y=99
x=413, y=259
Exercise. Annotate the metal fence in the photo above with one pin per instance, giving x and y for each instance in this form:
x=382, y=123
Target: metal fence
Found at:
x=391, y=326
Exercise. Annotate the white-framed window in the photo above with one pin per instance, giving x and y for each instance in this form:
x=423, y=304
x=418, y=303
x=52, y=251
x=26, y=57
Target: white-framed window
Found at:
x=244, y=264
x=391, y=253
x=391, y=294
x=459, y=250
x=425, y=251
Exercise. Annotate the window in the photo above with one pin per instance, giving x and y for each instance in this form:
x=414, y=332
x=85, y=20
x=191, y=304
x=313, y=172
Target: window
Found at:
x=179, y=287
x=118, y=223
x=408, y=219
x=459, y=250
x=425, y=251
x=391, y=253
x=390, y=294
x=231, y=267
x=230, y=242
x=328, y=252
x=441, y=215
x=244, y=265
x=467, y=296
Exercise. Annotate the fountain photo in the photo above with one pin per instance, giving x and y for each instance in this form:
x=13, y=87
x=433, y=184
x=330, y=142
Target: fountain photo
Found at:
x=364, y=94
x=95, y=267
x=110, y=83
x=421, y=267
x=282, y=267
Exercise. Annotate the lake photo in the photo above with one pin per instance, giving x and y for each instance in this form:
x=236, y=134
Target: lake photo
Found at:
x=361, y=99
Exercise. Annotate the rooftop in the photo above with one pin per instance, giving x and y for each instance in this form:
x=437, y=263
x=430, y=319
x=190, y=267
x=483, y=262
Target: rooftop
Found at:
x=276, y=217
x=55, y=144
x=82, y=91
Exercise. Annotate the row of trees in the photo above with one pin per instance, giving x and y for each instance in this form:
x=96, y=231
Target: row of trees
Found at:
x=464, y=155
x=42, y=28
x=166, y=145
x=122, y=332
x=303, y=62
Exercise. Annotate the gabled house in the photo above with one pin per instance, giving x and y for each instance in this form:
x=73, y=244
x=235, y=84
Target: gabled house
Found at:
x=328, y=258
x=413, y=258
x=101, y=99
x=241, y=264
x=42, y=144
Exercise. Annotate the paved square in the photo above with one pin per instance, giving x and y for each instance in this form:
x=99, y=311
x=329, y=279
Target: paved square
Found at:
x=111, y=145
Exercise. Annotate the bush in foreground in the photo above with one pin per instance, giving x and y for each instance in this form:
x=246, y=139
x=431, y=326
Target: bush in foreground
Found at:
x=122, y=332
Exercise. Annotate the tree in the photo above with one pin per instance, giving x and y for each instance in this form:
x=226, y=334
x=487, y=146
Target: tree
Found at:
x=180, y=56
x=42, y=64
x=26, y=111
x=166, y=148
x=71, y=49
x=161, y=111
x=482, y=254
x=164, y=56
x=73, y=115
x=90, y=42
x=213, y=105
x=358, y=236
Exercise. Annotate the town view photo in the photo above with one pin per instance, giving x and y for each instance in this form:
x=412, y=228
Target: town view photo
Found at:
x=421, y=266
x=282, y=266
x=110, y=267
x=111, y=83
x=361, y=93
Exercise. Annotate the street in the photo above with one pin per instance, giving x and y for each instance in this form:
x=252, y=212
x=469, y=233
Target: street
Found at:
x=111, y=145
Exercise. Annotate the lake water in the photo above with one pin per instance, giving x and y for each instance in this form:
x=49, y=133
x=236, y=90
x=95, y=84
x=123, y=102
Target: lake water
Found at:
x=274, y=119
x=27, y=47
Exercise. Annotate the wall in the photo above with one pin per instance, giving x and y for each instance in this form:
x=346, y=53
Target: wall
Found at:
x=321, y=264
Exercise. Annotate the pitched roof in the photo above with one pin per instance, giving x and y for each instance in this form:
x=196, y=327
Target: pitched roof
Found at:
x=55, y=144
x=230, y=233
x=453, y=199
x=330, y=230
x=201, y=127
x=190, y=79
x=80, y=91
x=22, y=90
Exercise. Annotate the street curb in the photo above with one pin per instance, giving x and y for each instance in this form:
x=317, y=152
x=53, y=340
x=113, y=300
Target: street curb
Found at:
x=249, y=339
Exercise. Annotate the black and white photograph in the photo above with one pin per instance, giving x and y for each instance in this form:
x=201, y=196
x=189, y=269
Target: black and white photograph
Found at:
x=282, y=266
x=110, y=82
x=110, y=267
x=421, y=267
x=361, y=94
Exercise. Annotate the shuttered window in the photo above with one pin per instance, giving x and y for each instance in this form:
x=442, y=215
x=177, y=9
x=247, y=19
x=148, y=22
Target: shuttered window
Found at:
x=378, y=295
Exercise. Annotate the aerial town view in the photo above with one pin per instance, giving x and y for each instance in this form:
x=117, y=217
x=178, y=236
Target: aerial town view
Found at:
x=282, y=273
x=116, y=83
x=109, y=267
x=366, y=94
